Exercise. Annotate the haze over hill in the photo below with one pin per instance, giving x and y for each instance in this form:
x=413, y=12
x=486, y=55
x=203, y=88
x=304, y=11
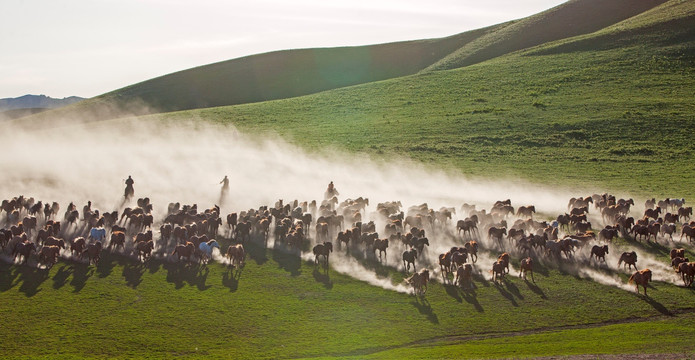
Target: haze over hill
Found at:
x=13, y=108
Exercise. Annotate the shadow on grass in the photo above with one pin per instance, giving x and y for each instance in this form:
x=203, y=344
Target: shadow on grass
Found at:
x=28, y=278
x=322, y=277
x=288, y=259
x=191, y=273
x=423, y=306
x=132, y=272
x=533, y=287
x=504, y=292
x=80, y=274
x=231, y=277
x=61, y=276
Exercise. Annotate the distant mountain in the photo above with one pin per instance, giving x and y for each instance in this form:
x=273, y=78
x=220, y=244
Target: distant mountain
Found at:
x=36, y=102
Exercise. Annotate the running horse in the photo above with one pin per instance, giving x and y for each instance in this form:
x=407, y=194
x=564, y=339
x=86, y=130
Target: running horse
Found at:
x=206, y=250
x=642, y=277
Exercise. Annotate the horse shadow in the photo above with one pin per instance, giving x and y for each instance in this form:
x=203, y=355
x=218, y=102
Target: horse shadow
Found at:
x=61, y=276
x=80, y=273
x=655, y=304
x=7, y=277
x=513, y=289
x=30, y=278
x=132, y=272
x=256, y=252
x=533, y=287
x=191, y=273
x=471, y=297
x=323, y=278
x=481, y=279
x=231, y=277
x=423, y=306
x=453, y=291
x=107, y=262
x=504, y=292
x=289, y=260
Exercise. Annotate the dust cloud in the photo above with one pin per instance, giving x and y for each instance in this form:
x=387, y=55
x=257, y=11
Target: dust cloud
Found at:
x=185, y=162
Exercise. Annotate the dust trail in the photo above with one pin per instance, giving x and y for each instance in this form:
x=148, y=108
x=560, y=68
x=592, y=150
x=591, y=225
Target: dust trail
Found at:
x=186, y=161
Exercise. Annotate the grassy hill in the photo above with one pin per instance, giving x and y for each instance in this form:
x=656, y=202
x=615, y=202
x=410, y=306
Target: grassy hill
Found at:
x=611, y=110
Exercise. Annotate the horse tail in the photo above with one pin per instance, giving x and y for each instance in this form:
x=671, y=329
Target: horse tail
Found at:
x=631, y=279
x=175, y=250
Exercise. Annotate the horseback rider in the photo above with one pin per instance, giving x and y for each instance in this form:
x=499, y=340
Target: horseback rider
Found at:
x=129, y=191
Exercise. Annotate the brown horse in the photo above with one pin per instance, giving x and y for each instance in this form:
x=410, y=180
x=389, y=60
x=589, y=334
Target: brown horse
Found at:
x=464, y=275
x=54, y=241
x=677, y=261
x=78, y=245
x=496, y=233
x=409, y=258
x=49, y=255
x=608, y=234
x=23, y=249
x=630, y=259
x=689, y=232
x=685, y=213
x=504, y=258
x=677, y=253
x=472, y=248
x=381, y=245
x=419, y=281
x=184, y=251
x=322, y=250
x=687, y=271
x=526, y=266
x=117, y=239
x=526, y=211
x=600, y=252
x=458, y=257
x=642, y=277
x=498, y=270
x=144, y=249
x=445, y=263
x=236, y=254
x=93, y=252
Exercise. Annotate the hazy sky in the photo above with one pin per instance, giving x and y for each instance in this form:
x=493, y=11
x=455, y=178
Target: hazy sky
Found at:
x=88, y=47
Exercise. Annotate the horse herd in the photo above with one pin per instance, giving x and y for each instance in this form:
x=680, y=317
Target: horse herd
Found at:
x=186, y=234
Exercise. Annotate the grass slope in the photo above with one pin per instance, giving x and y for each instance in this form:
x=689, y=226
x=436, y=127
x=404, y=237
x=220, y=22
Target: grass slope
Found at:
x=616, y=112
x=280, y=306
x=567, y=20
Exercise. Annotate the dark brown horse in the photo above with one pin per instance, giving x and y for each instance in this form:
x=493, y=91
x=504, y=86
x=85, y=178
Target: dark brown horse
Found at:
x=23, y=249
x=93, y=252
x=49, y=255
x=323, y=250
x=600, y=252
x=464, y=275
x=419, y=281
x=409, y=258
x=472, y=248
x=630, y=259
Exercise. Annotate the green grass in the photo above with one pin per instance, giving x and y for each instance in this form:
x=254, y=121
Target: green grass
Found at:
x=280, y=306
x=607, y=111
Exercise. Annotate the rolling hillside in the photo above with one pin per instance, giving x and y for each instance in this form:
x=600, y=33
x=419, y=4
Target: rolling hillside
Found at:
x=610, y=109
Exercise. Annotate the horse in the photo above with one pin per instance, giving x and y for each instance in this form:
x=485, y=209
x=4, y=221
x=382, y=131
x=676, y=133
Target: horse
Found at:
x=526, y=266
x=464, y=275
x=49, y=255
x=184, y=250
x=685, y=213
x=419, y=281
x=98, y=234
x=445, y=263
x=144, y=249
x=78, y=245
x=381, y=245
x=642, y=277
x=420, y=244
x=206, y=249
x=689, y=232
x=54, y=241
x=526, y=211
x=600, y=252
x=472, y=248
x=458, y=257
x=498, y=270
x=23, y=249
x=675, y=262
x=409, y=258
x=236, y=254
x=630, y=259
x=677, y=253
x=607, y=234
x=93, y=252
x=496, y=233
x=687, y=271
x=322, y=250
x=117, y=239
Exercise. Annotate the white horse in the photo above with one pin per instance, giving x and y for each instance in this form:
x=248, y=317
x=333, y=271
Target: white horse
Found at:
x=206, y=249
